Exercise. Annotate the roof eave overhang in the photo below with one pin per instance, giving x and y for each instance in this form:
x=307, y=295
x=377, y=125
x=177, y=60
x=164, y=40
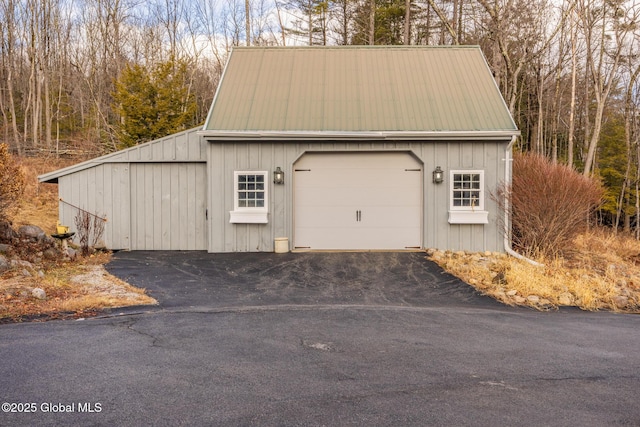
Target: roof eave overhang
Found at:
x=47, y=180
x=492, y=135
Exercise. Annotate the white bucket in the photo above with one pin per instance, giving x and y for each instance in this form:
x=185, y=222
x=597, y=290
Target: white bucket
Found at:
x=282, y=245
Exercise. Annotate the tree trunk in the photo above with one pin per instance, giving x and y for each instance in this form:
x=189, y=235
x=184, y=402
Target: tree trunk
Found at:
x=407, y=22
x=444, y=21
x=572, y=105
x=539, y=148
x=603, y=77
x=372, y=22
x=310, y=22
x=17, y=138
x=280, y=23
x=593, y=141
x=247, y=21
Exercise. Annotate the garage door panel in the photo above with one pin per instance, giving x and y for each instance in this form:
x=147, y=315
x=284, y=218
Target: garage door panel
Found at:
x=358, y=201
x=313, y=196
x=339, y=178
x=360, y=160
x=322, y=216
x=348, y=196
x=367, y=238
x=389, y=217
x=383, y=216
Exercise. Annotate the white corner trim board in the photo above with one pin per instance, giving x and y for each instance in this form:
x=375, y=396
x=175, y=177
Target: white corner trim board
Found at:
x=468, y=217
x=244, y=217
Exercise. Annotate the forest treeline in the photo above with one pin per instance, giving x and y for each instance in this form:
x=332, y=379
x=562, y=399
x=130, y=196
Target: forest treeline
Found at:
x=94, y=76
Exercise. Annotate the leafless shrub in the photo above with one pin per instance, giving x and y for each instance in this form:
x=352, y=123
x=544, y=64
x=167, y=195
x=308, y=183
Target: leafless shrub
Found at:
x=90, y=229
x=548, y=204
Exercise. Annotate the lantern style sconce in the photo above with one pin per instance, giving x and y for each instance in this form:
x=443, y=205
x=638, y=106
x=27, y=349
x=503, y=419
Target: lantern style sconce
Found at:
x=278, y=176
x=438, y=175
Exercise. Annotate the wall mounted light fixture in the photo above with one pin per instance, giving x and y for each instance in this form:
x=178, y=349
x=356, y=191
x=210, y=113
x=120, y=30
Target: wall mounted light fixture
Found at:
x=278, y=176
x=438, y=175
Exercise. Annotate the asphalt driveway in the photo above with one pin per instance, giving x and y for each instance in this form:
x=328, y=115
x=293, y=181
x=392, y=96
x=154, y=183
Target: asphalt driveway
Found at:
x=364, y=339
x=199, y=279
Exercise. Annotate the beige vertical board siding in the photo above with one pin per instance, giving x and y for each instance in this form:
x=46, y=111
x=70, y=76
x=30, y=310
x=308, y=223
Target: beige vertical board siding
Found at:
x=226, y=157
x=221, y=196
x=186, y=146
x=93, y=190
x=128, y=187
x=487, y=156
x=168, y=203
x=224, y=160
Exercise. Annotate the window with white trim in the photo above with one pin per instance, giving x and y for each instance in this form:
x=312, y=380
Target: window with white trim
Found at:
x=250, y=199
x=466, y=205
x=467, y=190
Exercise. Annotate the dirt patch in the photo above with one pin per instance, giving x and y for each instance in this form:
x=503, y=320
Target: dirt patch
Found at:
x=67, y=291
x=96, y=281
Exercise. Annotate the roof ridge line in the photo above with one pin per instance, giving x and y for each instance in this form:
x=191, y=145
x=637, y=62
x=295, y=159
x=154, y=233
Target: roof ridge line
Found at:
x=348, y=47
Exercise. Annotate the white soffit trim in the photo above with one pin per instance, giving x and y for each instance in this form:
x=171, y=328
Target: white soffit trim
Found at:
x=383, y=135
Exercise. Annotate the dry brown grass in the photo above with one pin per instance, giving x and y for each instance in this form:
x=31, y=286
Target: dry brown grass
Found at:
x=39, y=205
x=73, y=289
x=600, y=272
x=77, y=288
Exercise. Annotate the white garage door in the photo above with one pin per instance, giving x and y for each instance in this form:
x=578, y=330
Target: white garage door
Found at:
x=168, y=206
x=358, y=201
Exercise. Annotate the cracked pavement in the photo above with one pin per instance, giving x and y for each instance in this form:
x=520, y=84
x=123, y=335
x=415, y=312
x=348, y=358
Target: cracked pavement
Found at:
x=320, y=339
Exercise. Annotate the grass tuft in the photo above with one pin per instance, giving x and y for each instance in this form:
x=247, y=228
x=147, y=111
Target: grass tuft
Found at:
x=39, y=205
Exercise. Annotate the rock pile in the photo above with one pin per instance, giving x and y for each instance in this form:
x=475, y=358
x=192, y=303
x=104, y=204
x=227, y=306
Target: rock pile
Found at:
x=29, y=244
x=26, y=251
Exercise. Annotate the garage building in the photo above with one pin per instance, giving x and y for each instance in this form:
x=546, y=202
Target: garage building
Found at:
x=330, y=148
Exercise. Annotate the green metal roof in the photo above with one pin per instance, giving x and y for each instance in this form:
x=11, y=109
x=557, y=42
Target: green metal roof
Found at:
x=415, y=90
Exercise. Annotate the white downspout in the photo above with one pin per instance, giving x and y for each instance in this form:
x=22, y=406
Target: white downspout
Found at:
x=507, y=182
